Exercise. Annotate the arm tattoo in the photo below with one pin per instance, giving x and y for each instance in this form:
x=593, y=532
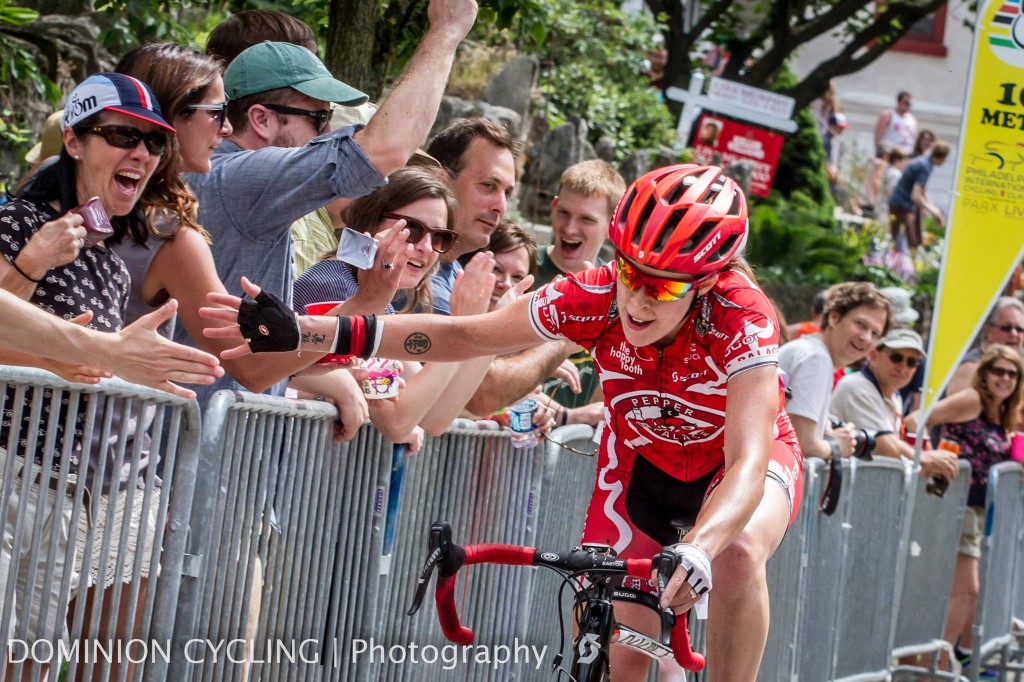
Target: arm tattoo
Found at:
x=309, y=338
x=417, y=343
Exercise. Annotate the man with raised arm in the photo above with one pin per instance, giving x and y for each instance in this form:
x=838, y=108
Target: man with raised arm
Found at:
x=281, y=162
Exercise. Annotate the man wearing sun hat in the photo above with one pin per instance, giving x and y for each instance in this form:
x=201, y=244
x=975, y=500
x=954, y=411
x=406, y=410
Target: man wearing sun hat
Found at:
x=870, y=399
x=283, y=162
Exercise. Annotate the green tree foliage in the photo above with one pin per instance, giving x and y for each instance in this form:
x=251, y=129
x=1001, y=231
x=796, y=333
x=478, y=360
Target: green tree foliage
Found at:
x=590, y=67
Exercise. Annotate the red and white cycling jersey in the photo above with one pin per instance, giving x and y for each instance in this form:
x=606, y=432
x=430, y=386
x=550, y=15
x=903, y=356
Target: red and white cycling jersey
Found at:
x=667, y=405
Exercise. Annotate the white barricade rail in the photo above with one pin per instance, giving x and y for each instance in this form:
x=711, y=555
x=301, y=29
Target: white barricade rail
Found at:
x=785, y=579
x=564, y=495
x=489, y=492
x=819, y=592
x=878, y=508
x=277, y=505
x=1001, y=557
x=119, y=536
x=927, y=576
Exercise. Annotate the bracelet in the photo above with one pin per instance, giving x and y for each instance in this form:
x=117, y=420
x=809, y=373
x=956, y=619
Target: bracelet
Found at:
x=24, y=274
x=565, y=415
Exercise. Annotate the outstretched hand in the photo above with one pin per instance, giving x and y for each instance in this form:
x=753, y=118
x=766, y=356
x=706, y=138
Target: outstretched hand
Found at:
x=227, y=311
x=140, y=355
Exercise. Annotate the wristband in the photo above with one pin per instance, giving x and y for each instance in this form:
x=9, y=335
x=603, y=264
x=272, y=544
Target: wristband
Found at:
x=698, y=566
x=359, y=336
x=268, y=325
x=14, y=264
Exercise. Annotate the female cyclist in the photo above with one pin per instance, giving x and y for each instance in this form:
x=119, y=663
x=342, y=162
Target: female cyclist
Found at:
x=685, y=345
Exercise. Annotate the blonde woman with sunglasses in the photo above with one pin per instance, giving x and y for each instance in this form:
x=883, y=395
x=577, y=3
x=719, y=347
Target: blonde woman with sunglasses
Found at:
x=695, y=432
x=981, y=419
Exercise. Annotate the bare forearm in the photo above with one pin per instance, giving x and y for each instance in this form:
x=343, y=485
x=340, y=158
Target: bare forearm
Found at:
x=511, y=377
x=404, y=118
x=460, y=388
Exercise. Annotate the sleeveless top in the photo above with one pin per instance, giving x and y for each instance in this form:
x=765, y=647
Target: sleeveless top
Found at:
x=984, y=444
x=901, y=131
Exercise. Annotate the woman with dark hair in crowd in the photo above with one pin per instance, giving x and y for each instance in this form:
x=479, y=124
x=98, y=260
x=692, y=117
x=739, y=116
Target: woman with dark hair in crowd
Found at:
x=980, y=419
x=418, y=202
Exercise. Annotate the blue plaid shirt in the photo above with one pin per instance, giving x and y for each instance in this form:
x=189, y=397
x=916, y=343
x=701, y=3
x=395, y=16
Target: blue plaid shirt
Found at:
x=250, y=199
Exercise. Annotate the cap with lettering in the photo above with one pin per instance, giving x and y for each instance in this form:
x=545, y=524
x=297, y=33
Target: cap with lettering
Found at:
x=270, y=66
x=113, y=92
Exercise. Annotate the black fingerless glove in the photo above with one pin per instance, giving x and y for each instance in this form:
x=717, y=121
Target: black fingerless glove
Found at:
x=268, y=324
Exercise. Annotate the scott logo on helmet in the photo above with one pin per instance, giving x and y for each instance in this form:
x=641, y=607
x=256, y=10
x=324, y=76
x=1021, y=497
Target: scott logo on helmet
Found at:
x=703, y=252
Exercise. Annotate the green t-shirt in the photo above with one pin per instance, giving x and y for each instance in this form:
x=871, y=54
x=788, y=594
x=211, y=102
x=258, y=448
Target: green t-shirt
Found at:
x=547, y=271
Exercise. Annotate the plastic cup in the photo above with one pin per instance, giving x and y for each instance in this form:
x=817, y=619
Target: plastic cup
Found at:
x=322, y=309
x=1017, y=448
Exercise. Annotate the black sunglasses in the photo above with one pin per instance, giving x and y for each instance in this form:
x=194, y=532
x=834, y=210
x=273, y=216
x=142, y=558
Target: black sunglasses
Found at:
x=1009, y=328
x=898, y=358
x=320, y=117
x=219, y=112
x=1002, y=372
x=127, y=137
x=441, y=239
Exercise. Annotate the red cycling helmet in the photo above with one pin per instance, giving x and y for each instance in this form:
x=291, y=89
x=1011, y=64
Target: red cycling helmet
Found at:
x=685, y=219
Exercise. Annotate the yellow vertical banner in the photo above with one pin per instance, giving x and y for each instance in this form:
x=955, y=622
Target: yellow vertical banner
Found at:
x=985, y=230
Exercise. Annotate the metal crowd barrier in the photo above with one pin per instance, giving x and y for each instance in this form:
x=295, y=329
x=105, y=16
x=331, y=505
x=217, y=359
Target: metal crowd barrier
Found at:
x=285, y=543
x=927, y=576
x=564, y=495
x=120, y=545
x=996, y=645
x=785, y=578
x=489, y=492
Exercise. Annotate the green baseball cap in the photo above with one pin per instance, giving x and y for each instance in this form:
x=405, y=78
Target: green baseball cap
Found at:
x=269, y=66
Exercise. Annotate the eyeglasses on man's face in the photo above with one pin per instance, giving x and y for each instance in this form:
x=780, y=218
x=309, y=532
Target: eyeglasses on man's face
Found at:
x=320, y=117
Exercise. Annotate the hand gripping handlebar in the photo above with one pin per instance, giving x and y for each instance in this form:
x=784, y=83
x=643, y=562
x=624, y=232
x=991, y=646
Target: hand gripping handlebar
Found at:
x=449, y=558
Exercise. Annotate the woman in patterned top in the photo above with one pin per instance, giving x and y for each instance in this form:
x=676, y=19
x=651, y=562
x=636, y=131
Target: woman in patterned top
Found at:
x=114, y=136
x=981, y=419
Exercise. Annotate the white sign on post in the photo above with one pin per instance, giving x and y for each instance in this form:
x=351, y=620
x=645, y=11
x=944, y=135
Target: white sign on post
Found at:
x=751, y=98
x=752, y=105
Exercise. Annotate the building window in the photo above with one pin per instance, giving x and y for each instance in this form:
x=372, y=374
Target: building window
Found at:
x=927, y=36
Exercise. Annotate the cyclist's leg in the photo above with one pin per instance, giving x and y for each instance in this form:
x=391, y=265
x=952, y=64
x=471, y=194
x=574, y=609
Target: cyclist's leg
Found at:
x=738, y=605
x=632, y=510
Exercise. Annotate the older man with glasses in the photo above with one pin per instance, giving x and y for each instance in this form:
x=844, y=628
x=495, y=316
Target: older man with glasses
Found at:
x=870, y=400
x=1005, y=325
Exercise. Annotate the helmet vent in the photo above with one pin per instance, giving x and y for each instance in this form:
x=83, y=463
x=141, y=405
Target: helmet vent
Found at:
x=644, y=216
x=713, y=191
x=677, y=192
x=627, y=203
x=699, y=235
x=726, y=247
x=670, y=225
x=735, y=208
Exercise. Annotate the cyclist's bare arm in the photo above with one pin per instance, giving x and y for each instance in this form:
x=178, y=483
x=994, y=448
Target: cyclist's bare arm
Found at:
x=405, y=337
x=750, y=411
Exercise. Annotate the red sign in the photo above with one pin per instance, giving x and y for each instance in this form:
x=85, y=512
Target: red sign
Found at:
x=721, y=142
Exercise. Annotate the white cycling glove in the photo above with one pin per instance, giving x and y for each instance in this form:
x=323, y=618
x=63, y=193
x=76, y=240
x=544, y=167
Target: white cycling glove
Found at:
x=697, y=565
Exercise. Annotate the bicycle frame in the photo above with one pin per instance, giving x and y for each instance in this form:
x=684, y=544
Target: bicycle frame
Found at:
x=595, y=616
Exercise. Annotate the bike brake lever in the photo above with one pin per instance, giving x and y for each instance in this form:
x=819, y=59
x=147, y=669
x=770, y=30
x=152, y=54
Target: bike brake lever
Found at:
x=666, y=564
x=439, y=544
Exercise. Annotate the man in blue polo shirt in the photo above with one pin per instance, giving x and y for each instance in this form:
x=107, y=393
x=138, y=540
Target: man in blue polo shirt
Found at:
x=909, y=196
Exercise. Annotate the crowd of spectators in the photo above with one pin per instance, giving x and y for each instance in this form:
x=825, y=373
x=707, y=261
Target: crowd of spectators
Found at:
x=220, y=166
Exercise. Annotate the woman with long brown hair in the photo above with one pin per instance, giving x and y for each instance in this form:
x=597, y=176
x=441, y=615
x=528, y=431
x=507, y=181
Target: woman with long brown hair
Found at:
x=981, y=419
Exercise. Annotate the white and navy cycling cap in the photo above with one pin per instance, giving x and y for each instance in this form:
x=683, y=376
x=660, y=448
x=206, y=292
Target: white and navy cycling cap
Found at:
x=113, y=92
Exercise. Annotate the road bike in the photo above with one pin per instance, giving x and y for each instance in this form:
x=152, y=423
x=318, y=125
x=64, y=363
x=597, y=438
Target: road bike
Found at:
x=596, y=576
